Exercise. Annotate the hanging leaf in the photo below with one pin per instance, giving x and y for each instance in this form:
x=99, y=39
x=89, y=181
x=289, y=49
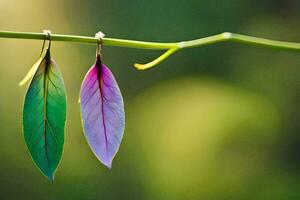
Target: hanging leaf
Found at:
x=44, y=115
x=102, y=111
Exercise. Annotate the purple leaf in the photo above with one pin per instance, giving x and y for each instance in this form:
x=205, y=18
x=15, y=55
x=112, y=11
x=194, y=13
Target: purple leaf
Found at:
x=102, y=111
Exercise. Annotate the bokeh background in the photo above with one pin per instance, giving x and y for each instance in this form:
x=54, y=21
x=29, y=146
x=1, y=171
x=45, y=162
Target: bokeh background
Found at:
x=215, y=122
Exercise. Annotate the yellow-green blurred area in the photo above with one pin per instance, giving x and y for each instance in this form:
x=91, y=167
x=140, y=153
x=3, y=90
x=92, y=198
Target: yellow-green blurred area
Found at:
x=214, y=122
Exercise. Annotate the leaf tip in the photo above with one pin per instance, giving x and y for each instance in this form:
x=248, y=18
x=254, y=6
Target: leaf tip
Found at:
x=48, y=174
x=105, y=160
x=108, y=164
x=51, y=178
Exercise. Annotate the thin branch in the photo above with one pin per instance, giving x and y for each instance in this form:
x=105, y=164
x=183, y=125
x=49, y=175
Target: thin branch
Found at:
x=157, y=60
x=170, y=47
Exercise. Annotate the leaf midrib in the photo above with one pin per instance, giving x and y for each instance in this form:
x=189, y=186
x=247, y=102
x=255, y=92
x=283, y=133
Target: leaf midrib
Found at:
x=46, y=83
x=99, y=77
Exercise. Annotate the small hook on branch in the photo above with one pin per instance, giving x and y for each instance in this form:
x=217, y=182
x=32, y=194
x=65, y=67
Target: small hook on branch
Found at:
x=157, y=60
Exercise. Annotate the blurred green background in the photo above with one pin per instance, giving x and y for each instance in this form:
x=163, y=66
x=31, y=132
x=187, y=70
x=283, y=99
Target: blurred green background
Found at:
x=215, y=122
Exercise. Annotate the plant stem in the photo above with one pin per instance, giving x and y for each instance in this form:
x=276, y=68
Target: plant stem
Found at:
x=171, y=47
x=88, y=40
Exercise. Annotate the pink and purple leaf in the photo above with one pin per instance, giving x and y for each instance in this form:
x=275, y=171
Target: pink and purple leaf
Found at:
x=102, y=112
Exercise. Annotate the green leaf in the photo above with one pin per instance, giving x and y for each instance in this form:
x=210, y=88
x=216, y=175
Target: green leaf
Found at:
x=44, y=115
